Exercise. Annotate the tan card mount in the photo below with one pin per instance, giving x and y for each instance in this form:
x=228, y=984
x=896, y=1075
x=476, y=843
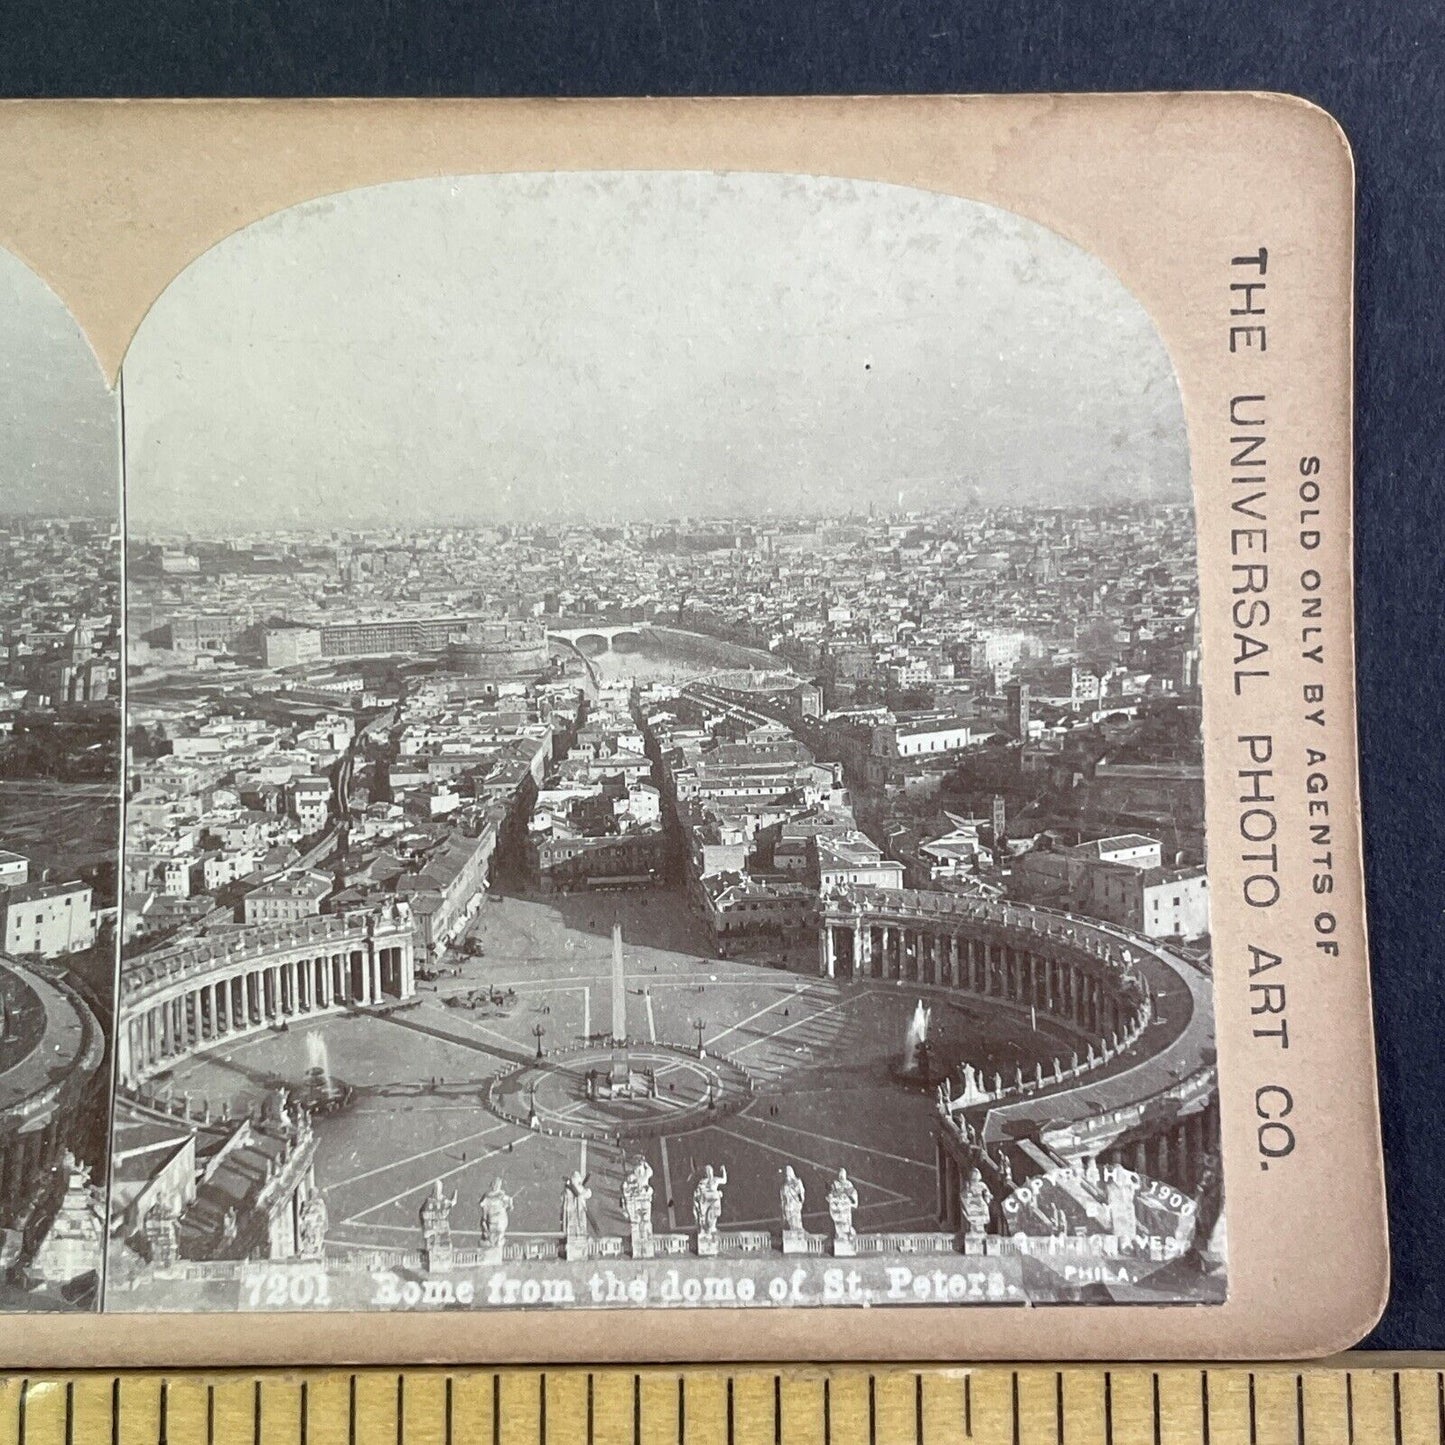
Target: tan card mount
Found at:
x=681, y=729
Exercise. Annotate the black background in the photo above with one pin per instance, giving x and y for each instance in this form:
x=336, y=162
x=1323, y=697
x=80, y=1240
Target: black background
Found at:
x=1376, y=64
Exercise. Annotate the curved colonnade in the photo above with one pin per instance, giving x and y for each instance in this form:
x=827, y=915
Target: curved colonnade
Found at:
x=1156, y=1113
x=51, y=1047
x=190, y=996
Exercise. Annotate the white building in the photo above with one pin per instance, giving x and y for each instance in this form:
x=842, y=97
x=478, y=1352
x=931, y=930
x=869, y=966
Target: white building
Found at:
x=47, y=919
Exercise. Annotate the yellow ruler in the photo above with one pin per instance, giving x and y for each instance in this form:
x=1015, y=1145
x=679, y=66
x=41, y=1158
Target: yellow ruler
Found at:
x=1355, y=1402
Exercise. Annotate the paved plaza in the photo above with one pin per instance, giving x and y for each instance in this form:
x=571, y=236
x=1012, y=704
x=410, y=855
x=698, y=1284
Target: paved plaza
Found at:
x=819, y=1057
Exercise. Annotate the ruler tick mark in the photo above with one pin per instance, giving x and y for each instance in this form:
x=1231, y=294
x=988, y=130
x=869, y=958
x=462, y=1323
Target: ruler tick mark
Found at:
x=1299, y=1409
x=968, y=1406
x=827, y=1412
x=1108, y=1408
x=256, y=1413
x=1399, y=1417
x=1350, y=1407
x=637, y=1410
x=70, y=1412
x=1253, y=1418
x=918, y=1408
x=681, y=1410
x=541, y=1409
x=210, y=1415
x=777, y=1410
x=163, y=1437
x=115, y=1411
x=351, y=1412
x=591, y=1387
x=447, y=1413
x=1158, y=1419
x=873, y=1411
x=24, y=1394
x=730, y=1410
x=304, y=1411
x=1204, y=1402
x=1014, y=1403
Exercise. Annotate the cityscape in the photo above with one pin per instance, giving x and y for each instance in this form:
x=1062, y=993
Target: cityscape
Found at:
x=61, y=688
x=686, y=891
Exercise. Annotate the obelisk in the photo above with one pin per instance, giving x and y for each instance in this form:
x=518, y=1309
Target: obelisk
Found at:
x=621, y=1068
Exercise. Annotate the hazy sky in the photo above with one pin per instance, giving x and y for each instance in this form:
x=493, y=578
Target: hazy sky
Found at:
x=635, y=344
x=58, y=448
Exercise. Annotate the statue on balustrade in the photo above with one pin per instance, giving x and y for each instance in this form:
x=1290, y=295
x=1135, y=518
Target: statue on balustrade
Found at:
x=312, y=1227
x=842, y=1201
x=575, y=1195
x=707, y=1199
x=792, y=1196
x=637, y=1206
x=977, y=1205
x=496, y=1215
x=1123, y=1185
x=436, y=1217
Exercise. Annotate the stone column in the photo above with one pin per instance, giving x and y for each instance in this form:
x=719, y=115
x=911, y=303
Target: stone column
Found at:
x=829, y=957
x=122, y=1054
x=953, y=965
x=373, y=960
x=408, y=968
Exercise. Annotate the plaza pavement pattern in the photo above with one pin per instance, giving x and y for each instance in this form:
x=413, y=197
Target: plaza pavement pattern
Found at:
x=820, y=1052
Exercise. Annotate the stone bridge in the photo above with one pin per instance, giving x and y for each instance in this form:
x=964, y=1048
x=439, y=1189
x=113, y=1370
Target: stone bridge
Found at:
x=593, y=639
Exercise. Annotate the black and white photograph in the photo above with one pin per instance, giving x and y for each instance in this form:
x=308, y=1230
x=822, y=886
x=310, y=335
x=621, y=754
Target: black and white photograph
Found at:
x=663, y=761
x=60, y=750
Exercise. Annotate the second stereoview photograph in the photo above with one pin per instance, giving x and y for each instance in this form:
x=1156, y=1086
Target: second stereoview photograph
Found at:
x=60, y=758
x=663, y=762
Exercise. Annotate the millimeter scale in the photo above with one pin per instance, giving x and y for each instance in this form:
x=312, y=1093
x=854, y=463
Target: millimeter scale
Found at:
x=1357, y=1398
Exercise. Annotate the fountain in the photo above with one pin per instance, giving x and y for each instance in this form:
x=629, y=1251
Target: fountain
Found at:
x=916, y=1065
x=322, y=1093
x=915, y=1041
